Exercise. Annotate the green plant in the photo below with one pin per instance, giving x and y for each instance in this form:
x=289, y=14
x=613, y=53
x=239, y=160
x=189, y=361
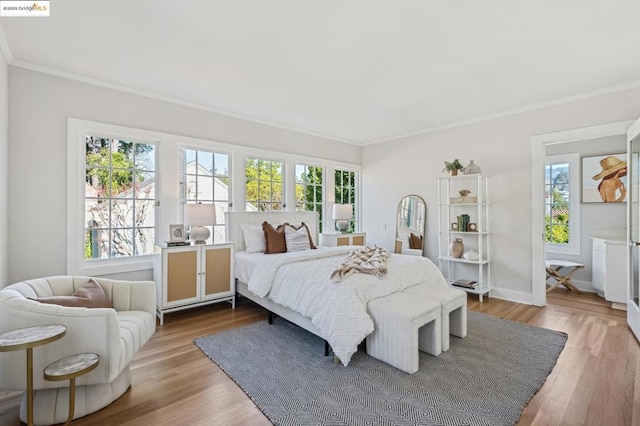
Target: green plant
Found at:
x=452, y=165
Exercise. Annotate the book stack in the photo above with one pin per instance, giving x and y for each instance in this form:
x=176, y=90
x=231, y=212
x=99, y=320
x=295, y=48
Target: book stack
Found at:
x=463, y=222
x=177, y=243
x=465, y=283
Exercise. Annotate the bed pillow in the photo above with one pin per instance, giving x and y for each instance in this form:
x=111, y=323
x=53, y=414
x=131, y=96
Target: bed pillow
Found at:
x=415, y=241
x=90, y=295
x=275, y=239
x=303, y=225
x=296, y=239
x=254, y=240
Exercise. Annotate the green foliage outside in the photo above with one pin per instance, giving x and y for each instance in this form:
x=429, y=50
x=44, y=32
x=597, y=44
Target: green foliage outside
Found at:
x=264, y=187
x=557, y=224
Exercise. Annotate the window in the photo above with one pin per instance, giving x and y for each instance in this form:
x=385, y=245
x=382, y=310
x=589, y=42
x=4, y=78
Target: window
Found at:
x=119, y=198
x=562, y=207
x=264, y=185
x=206, y=180
x=346, y=192
x=309, y=187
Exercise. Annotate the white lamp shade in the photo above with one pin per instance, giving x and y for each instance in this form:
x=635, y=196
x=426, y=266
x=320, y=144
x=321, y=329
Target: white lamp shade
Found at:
x=342, y=211
x=199, y=214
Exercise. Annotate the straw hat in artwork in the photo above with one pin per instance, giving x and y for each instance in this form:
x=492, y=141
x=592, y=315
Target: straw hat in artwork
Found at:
x=610, y=164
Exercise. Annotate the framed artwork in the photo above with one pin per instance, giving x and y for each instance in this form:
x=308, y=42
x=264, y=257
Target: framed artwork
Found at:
x=176, y=233
x=604, y=178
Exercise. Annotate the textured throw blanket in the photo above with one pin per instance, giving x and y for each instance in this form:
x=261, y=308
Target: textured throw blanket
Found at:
x=366, y=260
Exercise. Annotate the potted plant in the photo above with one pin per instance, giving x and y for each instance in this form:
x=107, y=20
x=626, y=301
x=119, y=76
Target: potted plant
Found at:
x=452, y=167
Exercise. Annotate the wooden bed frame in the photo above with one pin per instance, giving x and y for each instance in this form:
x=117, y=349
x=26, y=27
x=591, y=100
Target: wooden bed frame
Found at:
x=233, y=225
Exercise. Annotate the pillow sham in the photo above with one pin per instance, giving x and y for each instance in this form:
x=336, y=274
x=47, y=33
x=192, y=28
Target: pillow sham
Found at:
x=300, y=225
x=275, y=238
x=90, y=295
x=254, y=239
x=296, y=239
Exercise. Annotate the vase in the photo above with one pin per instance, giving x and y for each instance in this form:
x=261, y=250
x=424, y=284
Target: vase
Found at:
x=471, y=169
x=454, y=173
x=456, y=247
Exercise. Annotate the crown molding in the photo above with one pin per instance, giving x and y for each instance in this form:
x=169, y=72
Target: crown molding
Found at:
x=532, y=107
x=168, y=99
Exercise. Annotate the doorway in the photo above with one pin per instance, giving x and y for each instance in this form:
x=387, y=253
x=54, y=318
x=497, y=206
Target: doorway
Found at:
x=539, y=146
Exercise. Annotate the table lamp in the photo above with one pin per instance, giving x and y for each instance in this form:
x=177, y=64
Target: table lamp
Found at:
x=197, y=216
x=342, y=214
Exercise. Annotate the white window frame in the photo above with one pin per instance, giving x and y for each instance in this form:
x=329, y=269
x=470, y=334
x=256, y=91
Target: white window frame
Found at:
x=573, y=248
x=76, y=156
x=323, y=202
x=357, y=206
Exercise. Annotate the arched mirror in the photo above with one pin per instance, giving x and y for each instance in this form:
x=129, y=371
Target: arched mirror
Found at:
x=410, y=225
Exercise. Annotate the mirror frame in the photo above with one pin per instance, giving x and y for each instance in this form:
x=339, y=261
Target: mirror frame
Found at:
x=398, y=243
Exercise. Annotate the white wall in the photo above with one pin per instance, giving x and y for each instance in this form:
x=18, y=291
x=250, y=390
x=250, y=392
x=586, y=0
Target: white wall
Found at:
x=4, y=172
x=592, y=215
x=502, y=148
x=39, y=106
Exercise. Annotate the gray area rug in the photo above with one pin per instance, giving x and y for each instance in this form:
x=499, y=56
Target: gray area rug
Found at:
x=486, y=378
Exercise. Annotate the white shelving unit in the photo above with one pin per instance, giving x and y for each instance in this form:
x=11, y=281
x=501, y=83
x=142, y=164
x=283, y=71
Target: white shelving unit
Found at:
x=452, y=204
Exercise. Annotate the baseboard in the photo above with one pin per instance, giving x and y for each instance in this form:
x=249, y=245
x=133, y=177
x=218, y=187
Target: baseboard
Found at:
x=512, y=296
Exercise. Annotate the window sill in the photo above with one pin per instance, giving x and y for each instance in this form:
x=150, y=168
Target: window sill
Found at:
x=112, y=266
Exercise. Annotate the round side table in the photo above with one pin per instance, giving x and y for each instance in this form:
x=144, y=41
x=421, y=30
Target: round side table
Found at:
x=69, y=368
x=28, y=338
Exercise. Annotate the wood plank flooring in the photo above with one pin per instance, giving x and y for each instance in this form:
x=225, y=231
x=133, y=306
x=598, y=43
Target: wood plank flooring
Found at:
x=595, y=382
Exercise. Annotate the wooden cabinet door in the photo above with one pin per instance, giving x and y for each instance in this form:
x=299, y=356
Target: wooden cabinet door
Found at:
x=181, y=276
x=217, y=270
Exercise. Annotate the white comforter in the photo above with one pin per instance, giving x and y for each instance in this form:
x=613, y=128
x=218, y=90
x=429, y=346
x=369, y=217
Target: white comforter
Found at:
x=300, y=281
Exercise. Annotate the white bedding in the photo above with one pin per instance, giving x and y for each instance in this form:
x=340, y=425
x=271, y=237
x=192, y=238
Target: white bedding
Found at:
x=300, y=281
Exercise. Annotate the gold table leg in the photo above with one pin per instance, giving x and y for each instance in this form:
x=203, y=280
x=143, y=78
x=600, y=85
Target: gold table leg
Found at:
x=30, y=386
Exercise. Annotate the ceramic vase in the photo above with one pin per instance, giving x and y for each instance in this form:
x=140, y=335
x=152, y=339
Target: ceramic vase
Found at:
x=456, y=247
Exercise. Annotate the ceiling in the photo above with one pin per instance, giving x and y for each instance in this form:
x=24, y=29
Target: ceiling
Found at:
x=359, y=71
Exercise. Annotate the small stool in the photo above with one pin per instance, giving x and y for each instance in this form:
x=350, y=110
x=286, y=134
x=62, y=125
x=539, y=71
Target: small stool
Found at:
x=404, y=325
x=453, y=303
x=69, y=368
x=554, y=268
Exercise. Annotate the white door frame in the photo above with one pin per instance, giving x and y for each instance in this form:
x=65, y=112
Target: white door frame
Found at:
x=538, y=147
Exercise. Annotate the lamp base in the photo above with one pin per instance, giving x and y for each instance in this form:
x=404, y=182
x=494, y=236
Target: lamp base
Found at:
x=199, y=234
x=342, y=225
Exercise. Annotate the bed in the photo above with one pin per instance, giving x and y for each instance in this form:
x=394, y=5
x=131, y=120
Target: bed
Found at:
x=337, y=312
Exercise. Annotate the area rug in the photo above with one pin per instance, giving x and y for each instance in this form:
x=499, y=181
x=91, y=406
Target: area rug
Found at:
x=486, y=378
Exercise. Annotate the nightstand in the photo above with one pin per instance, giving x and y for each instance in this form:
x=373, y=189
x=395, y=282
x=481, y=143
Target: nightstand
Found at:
x=334, y=239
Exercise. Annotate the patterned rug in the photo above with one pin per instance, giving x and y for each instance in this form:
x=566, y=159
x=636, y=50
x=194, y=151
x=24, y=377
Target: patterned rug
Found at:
x=486, y=378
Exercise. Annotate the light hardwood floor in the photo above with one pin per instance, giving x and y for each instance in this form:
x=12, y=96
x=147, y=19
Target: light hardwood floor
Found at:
x=595, y=382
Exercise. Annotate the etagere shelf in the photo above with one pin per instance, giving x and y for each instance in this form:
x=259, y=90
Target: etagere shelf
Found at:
x=463, y=212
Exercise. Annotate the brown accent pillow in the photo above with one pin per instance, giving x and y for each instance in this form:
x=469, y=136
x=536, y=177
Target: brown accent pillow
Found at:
x=415, y=241
x=275, y=239
x=90, y=295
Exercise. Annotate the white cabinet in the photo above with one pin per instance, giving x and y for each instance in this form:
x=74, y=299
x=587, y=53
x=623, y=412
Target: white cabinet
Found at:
x=609, y=268
x=334, y=239
x=463, y=213
x=193, y=276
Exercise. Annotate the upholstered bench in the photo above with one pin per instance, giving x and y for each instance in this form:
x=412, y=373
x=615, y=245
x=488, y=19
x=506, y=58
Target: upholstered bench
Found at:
x=403, y=325
x=453, y=303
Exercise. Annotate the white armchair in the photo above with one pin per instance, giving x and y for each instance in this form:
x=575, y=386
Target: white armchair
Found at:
x=114, y=334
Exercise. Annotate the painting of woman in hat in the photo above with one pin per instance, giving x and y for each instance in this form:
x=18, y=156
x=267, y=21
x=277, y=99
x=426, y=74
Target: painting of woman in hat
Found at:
x=611, y=188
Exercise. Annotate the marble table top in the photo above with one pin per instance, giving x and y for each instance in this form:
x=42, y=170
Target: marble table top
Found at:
x=30, y=337
x=71, y=366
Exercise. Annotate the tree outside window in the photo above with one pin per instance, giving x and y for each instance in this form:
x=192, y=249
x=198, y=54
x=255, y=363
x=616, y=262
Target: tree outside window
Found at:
x=309, y=187
x=264, y=184
x=120, y=198
x=557, y=206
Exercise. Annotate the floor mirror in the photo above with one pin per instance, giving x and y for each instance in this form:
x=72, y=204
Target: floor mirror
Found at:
x=410, y=225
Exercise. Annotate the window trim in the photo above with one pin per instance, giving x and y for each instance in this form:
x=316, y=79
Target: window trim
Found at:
x=573, y=248
x=357, y=205
x=76, y=263
x=283, y=167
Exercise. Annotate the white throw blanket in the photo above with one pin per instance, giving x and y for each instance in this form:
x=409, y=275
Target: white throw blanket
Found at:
x=300, y=281
x=365, y=260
